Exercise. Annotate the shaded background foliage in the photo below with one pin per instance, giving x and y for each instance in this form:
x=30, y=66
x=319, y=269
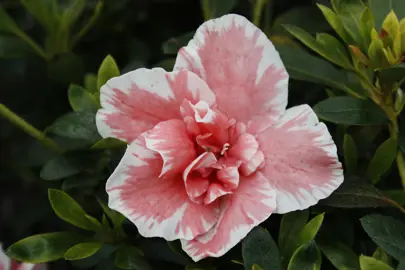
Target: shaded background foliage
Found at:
x=147, y=33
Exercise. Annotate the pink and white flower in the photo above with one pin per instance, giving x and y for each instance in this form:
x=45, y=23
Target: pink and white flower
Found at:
x=8, y=264
x=213, y=151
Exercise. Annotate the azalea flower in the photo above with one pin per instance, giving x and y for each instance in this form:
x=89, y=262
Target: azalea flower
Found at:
x=213, y=151
x=8, y=264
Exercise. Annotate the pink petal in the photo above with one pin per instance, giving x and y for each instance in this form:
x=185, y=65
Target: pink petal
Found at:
x=159, y=207
x=215, y=191
x=5, y=261
x=251, y=166
x=252, y=203
x=229, y=176
x=301, y=162
x=171, y=140
x=244, y=148
x=136, y=101
x=242, y=67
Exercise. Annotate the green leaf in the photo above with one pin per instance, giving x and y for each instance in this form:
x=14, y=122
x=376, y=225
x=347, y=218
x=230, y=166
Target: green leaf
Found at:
x=82, y=250
x=80, y=100
x=401, y=265
x=299, y=16
x=303, y=66
x=392, y=75
x=166, y=64
x=324, y=44
x=42, y=248
x=65, y=68
x=70, y=211
x=259, y=248
x=173, y=45
x=366, y=25
x=108, y=143
x=291, y=225
x=71, y=13
x=306, y=257
x=382, y=160
x=127, y=257
x=11, y=47
x=219, y=8
x=355, y=193
x=382, y=256
x=310, y=230
x=340, y=255
x=7, y=24
x=350, y=111
x=386, y=232
x=335, y=22
x=370, y=263
x=107, y=70
x=90, y=83
x=350, y=154
x=80, y=181
x=43, y=12
x=380, y=10
x=116, y=217
x=397, y=195
x=76, y=125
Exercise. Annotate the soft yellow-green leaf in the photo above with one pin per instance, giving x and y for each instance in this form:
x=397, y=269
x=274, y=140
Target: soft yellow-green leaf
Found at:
x=376, y=54
x=366, y=25
x=107, y=70
x=82, y=250
x=391, y=24
x=350, y=154
x=359, y=56
x=370, y=263
x=307, y=256
x=382, y=160
x=381, y=255
x=310, y=230
x=81, y=100
x=335, y=22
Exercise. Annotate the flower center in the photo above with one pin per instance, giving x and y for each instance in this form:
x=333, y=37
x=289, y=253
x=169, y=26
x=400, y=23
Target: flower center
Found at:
x=225, y=148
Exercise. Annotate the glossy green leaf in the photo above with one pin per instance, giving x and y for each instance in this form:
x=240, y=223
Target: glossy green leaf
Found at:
x=350, y=111
x=350, y=154
x=356, y=193
x=12, y=47
x=259, y=248
x=335, y=22
x=173, y=45
x=306, y=257
x=127, y=257
x=76, y=125
x=108, y=143
x=222, y=7
x=370, y=263
x=291, y=225
x=42, y=248
x=70, y=211
x=382, y=160
x=81, y=100
x=7, y=24
x=386, y=232
x=82, y=250
x=380, y=10
x=339, y=254
x=108, y=69
x=310, y=230
x=303, y=66
x=324, y=44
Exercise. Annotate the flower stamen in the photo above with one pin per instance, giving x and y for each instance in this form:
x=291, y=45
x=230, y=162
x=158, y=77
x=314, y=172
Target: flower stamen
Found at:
x=225, y=148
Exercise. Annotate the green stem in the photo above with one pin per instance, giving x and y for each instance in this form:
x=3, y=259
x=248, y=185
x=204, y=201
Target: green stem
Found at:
x=28, y=128
x=205, y=5
x=32, y=44
x=401, y=167
x=258, y=11
x=92, y=21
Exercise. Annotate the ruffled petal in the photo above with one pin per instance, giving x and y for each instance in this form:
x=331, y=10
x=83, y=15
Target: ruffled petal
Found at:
x=242, y=67
x=301, y=160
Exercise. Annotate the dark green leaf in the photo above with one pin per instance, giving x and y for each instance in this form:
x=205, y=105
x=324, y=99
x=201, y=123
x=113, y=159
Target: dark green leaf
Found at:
x=108, y=69
x=350, y=154
x=11, y=47
x=370, y=263
x=401, y=265
x=82, y=250
x=76, y=125
x=108, y=143
x=355, y=193
x=340, y=255
x=7, y=24
x=65, y=68
x=259, y=248
x=128, y=258
x=71, y=13
x=219, y=8
x=397, y=195
x=291, y=225
x=80, y=181
x=350, y=111
x=100, y=257
x=380, y=10
x=383, y=159
x=116, y=217
x=166, y=64
x=401, y=138
x=391, y=75
x=42, y=248
x=386, y=232
x=42, y=11
x=173, y=45
x=306, y=257
x=70, y=211
x=81, y=100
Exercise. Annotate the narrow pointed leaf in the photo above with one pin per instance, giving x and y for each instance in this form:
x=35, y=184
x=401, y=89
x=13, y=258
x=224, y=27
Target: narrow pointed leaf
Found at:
x=306, y=257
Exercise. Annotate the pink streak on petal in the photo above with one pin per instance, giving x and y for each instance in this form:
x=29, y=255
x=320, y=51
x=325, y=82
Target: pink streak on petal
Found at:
x=159, y=207
x=135, y=102
x=229, y=176
x=242, y=67
x=251, y=166
x=245, y=147
x=171, y=140
x=301, y=160
x=251, y=203
x=214, y=192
